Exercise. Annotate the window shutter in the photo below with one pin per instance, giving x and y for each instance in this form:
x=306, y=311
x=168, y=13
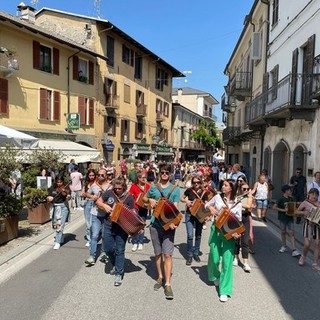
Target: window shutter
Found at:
x=75, y=68
x=82, y=110
x=56, y=61
x=137, y=98
x=91, y=112
x=4, y=93
x=294, y=69
x=43, y=104
x=56, y=105
x=137, y=129
x=275, y=73
x=256, y=46
x=122, y=129
x=36, y=55
x=91, y=72
x=310, y=55
x=114, y=88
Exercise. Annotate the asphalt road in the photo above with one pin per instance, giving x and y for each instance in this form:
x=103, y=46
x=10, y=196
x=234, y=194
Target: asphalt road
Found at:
x=58, y=285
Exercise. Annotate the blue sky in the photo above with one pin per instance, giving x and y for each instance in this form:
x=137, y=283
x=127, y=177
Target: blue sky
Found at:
x=197, y=36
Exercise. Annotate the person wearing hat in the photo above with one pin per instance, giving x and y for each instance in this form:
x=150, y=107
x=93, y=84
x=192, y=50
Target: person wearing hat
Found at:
x=286, y=221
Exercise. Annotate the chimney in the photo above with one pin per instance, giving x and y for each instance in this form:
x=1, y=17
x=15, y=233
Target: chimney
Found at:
x=26, y=13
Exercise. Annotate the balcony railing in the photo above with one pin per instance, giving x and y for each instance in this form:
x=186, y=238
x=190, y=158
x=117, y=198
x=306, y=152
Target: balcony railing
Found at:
x=8, y=64
x=315, y=85
x=112, y=101
x=231, y=134
x=240, y=85
x=141, y=110
x=191, y=145
x=159, y=117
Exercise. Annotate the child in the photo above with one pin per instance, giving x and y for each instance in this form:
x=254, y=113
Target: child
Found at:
x=310, y=230
x=286, y=221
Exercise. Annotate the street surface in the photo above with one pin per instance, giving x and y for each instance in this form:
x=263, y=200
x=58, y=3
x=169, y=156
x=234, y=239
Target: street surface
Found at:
x=58, y=285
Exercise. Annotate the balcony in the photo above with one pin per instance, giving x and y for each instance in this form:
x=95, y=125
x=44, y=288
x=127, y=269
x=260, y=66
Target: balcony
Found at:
x=231, y=135
x=294, y=97
x=8, y=64
x=141, y=110
x=191, y=145
x=240, y=85
x=159, y=117
x=228, y=103
x=208, y=114
x=112, y=102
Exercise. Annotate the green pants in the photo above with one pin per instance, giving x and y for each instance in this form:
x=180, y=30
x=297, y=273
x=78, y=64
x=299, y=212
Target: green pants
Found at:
x=221, y=249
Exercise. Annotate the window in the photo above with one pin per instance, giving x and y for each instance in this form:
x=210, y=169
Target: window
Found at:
x=86, y=111
x=126, y=93
x=162, y=79
x=45, y=58
x=125, y=130
x=83, y=70
x=110, y=91
x=274, y=74
x=139, y=130
x=139, y=98
x=158, y=106
x=275, y=12
x=4, y=93
x=138, y=67
x=49, y=105
x=127, y=55
x=110, y=51
x=166, y=109
x=164, y=134
x=110, y=125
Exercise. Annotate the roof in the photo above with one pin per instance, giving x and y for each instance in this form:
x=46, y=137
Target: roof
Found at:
x=19, y=23
x=108, y=24
x=192, y=91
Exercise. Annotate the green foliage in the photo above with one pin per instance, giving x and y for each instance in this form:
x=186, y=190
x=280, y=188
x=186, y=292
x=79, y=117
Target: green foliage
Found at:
x=10, y=160
x=32, y=197
x=46, y=158
x=9, y=205
x=207, y=134
x=29, y=176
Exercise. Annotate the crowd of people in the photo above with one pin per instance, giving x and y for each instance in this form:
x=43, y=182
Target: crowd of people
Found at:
x=215, y=189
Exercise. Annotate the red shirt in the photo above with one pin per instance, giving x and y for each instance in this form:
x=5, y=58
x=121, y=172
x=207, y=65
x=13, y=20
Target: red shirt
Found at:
x=135, y=190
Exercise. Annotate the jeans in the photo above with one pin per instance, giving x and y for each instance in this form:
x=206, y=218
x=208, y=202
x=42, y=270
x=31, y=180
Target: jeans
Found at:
x=96, y=225
x=87, y=217
x=138, y=239
x=75, y=196
x=64, y=216
x=115, y=240
x=192, y=222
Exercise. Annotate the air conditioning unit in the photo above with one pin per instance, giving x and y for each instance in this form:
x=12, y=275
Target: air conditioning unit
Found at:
x=256, y=46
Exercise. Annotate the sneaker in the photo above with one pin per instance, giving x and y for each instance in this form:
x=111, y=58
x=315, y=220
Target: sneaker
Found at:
x=168, y=292
x=216, y=282
x=118, y=280
x=283, y=249
x=302, y=260
x=158, y=284
x=103, y=257
x=56, y=246
x=90, y=261
x=189, y=261
x=88, y=244
x=223, y=298
x=246, y=267
x=134, y=248
x=112, y=271
x=235, y=262
x=315, y=267
x=196, y=258
x=140, y=246
x=295, y=253
x=264, y=219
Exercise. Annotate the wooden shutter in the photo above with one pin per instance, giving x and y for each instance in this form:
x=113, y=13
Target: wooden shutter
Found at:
x=43, y=104
x=275, y=75
x=137, y=98
x=4, y=93
x=122, y=129
x=82, y=110
x=91, y=112
x=36, y=55
x=114, y=88
x=136, y=129
x=56, y=61
x=56, y=105
x=91, y=72
x=294, y=69
x=75, y=68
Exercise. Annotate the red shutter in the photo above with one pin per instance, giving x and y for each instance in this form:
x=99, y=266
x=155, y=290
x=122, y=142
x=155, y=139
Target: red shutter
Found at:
x=4, y=90
x=36, y=55
x=82, y=110
x=91, y=112
x=75, y=68
x=91, y=72
x=56, y=105
x=56, y=62
x=43, y=104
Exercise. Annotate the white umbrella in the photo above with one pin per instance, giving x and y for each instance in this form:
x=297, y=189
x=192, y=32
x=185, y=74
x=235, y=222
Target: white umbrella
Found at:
x=16, y=138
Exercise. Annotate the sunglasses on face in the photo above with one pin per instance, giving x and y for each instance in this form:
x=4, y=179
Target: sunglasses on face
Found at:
x=165, y=172
x=196, y=182
x=117, y=188
x=109, y=174
x=101, y=175
x=245, y=189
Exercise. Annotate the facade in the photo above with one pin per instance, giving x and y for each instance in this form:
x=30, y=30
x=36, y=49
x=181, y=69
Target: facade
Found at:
x=285, y=111
x=133, y=88
x=200, y=106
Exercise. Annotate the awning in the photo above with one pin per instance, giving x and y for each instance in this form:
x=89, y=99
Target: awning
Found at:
x=170, y=154
x=72, y=150
x=144, y=152
x=16, y=138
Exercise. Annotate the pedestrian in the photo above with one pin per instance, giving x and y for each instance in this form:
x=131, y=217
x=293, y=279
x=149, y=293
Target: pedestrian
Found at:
x=71, y=166
x=236, y=173
x=286, y=221
x=76, y=178
x=316, y=183
x=221, y=249
x=162, y=240
x=310, y=230
x=261, y=192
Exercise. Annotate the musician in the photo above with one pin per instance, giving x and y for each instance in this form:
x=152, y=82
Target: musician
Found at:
x=163, y=241
x=103, y=183
x=220, y=248
x=59, y=194
x=139, y=186
x=197, y=191
x=310, y=230
x=115, y=237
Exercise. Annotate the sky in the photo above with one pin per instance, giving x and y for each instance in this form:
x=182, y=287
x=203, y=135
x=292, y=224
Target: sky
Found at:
x=195, y=37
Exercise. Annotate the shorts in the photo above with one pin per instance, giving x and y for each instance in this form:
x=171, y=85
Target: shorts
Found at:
x=287, y=226
x=162, y=241
x=262, y=203
x=311, y=231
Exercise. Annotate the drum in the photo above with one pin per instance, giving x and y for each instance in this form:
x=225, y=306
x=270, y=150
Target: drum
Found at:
x=167, y=213
x=292, y=208
x=141, y=203
x=199, y=211
x=314, y=216
x=127, y=219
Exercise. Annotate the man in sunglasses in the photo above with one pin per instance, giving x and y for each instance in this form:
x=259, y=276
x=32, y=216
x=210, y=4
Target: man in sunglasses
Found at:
x=163, y=241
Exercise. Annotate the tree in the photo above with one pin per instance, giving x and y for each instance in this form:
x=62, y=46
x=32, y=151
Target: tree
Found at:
x=207, y=134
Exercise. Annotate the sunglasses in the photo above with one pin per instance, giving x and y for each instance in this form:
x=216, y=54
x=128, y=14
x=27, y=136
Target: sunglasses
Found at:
x=109, y=174
x=165, y=172
x=196, y=182
x=117, y=188
x=245, y=189
x=101, y=175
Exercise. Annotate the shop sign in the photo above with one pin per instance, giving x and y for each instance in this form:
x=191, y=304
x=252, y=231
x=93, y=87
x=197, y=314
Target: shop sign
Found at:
x=109, y=146
x=73, y=121
x=163, y=148
x=143, y=147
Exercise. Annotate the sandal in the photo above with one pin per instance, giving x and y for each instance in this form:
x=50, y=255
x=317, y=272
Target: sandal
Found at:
x=315, y=267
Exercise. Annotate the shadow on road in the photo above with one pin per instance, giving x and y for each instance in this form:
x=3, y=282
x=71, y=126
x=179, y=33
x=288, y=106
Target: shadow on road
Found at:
x=150, y=267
